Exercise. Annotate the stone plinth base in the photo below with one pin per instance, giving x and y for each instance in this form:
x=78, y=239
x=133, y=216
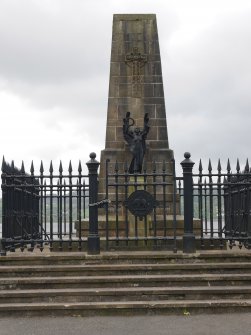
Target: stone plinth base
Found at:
x=145, y=228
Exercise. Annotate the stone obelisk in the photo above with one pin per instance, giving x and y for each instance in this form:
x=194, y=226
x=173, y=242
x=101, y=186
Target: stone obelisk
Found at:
x=136, y=86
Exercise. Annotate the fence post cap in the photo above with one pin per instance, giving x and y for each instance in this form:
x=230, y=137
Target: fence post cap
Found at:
x=187, y=161
x=92, y=163
x=92, y=155
x=92, y=160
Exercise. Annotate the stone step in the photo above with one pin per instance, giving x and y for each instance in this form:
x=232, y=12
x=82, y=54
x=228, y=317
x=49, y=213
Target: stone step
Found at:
x=127, y=308
x=125, y=281
x=121, y=269
x=124, y=294
x=38, y=258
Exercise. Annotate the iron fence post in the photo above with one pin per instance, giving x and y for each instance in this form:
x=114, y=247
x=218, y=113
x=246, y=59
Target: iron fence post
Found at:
x=93, y=243
x=248, y=245
x=2, y=247
x=188, y=237
x=3, y=183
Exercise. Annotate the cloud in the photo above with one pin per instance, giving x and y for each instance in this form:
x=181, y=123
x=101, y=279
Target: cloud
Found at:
x=207, y=92
x=54, y=75
x=43, y=44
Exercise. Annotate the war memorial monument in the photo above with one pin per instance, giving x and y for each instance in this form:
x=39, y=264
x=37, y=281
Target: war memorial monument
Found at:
x=125, y=239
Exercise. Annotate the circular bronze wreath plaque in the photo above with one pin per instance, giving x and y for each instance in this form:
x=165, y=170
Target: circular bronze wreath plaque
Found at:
x=140, y=203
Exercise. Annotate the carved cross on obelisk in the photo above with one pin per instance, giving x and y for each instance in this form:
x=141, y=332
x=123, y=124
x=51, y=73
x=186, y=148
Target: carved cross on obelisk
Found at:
x=136, y=61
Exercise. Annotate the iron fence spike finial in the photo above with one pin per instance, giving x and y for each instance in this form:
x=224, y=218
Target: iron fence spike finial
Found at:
x=228, y=166
x=154, y=166
x=51, y=168
x=70, y=168
x=116, y=168
x=12, y=166
x=145, y=166
x=126, y=167
x=200, y=166
x=164, y=166
x=219, y=166
x=238, y=166
x=60, y=167
x=32, y=168
x=41, y=168
x=247, y=166
x=209, y=166
x=79, y=167
x=22, y=168
x=3, y=164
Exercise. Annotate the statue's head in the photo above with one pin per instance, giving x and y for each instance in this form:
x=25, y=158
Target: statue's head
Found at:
x=137, y=130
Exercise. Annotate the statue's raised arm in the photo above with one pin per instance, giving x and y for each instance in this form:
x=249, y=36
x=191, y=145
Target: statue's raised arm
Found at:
x=146, y=127
x=128, y=135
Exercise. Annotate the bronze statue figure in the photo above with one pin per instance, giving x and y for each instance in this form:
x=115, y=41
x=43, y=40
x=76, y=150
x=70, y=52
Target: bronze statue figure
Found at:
x=136, y=140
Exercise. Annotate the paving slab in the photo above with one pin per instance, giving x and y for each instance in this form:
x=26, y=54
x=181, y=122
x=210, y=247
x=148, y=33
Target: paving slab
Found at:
x=211, y=324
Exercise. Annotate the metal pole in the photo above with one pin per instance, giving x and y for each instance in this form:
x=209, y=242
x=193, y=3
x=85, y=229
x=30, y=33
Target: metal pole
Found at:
x=93, y=244
x=188, y=237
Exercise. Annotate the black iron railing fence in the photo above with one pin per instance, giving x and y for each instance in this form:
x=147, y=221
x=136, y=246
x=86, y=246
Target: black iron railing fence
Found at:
x=202, y=209
x=20, y=203
x=222, y=205
x=39, y=209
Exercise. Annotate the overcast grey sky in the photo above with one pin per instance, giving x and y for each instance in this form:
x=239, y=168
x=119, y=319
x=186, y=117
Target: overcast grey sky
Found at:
x=54, y=76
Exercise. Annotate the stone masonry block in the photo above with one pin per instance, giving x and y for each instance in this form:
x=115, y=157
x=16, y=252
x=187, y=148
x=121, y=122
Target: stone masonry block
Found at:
x=114, y=145
x=157, y=122
x=153, y=68
x=132, y=17
x=160, y=111
x=153, y=100
x=113, y=88
x=114, y=69
x=112, y=123
x=162, y=133
x=150, y=109
x=148, y=90
x=158, y=90
x=153, y=79
x=134, y=26
x=110, y=134
x=153, y=133
x=158, y=144
x=125, y=90
x=112, y=113
x=122, y=110
x=119, y=134
x=124, y=69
